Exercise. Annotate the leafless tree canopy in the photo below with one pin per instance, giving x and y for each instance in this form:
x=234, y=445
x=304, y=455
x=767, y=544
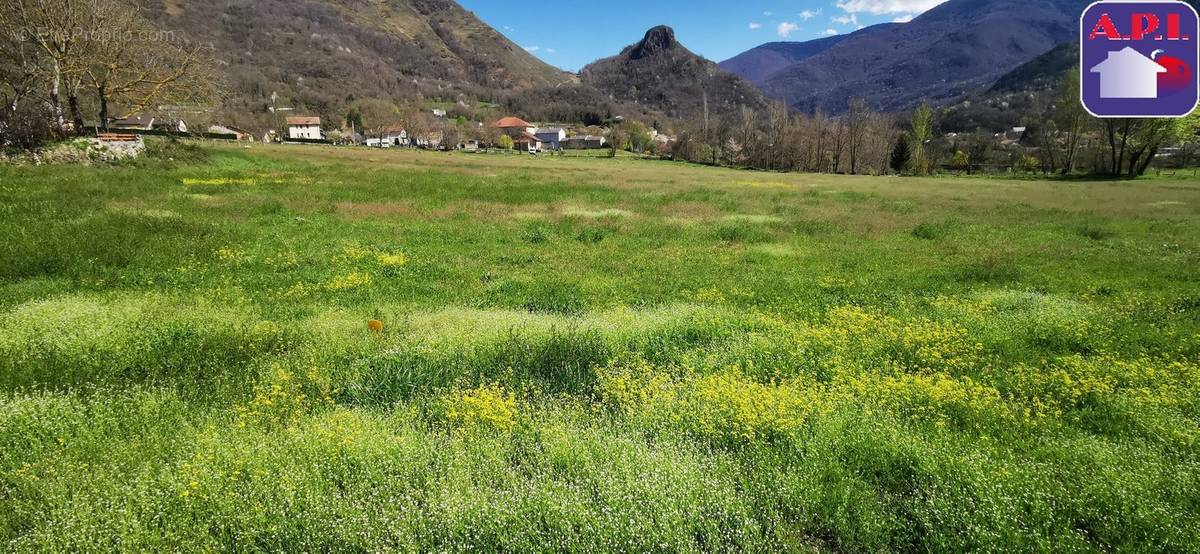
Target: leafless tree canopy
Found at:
x=778, y=139
x=96, y=59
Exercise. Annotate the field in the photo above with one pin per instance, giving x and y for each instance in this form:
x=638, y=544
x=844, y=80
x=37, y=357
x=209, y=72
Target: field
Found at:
x=592, y=355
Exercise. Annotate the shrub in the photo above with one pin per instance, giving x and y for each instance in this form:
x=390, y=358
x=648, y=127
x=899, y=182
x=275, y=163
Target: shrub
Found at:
x=25, y=129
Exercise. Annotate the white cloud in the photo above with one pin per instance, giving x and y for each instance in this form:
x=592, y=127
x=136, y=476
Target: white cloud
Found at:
x=880, y=7
x=768, y=14
x=532, y=48
x=786, y=28
x=756, y=26
x=849, y=19
x=809, y=14
x=830, y=32
x=550, y=50
x=904, y=18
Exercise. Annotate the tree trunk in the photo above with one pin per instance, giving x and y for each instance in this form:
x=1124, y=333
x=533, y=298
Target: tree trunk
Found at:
x=55, y=102
x=1110, y=130
x=76, y=115
x=1124, y=144
x=102, y=95
x=1141, y=170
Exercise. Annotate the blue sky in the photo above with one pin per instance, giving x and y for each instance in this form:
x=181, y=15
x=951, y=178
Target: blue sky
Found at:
x=573, y=33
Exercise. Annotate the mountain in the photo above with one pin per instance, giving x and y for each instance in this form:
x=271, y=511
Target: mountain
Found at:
x=318, y=55
x=953, y=49
x=659, y=73
x=759, y=63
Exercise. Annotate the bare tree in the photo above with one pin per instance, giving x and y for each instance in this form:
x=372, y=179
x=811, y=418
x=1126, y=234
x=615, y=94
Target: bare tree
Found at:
x=377, y=117
x=54, y=28
x=19, y=70
x=857, y=120
x=777, y=121
x=880, y=139
x=1070, y=117
x=136, y=67
x=746, y=133
x=820, y=130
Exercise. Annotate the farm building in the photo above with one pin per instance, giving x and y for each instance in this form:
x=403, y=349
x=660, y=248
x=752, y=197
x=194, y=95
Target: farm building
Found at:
x=584, y=142
x=529, y=142
x=238, y=134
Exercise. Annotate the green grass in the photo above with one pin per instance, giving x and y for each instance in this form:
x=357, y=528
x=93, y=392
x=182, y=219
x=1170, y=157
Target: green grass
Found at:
x=591, y=355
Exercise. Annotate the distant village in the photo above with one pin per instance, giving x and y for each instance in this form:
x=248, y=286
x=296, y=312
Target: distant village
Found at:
x=507, y=133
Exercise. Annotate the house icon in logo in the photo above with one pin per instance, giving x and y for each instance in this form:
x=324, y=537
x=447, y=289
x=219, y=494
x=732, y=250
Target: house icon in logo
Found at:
x=1128, y=74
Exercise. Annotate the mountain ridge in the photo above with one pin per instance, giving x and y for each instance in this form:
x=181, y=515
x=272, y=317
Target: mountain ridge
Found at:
x=320, y=55
x=759, y=63
x=945, y=54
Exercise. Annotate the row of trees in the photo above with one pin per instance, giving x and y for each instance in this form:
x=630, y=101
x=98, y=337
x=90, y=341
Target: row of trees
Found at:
x=1062, y=138
x=860, y=142
x=66, y=61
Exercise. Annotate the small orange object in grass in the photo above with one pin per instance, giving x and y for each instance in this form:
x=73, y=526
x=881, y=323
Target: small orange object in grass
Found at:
x=375, y=326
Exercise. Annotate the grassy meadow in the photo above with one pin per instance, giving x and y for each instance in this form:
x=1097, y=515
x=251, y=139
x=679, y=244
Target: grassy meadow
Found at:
x=592, y=355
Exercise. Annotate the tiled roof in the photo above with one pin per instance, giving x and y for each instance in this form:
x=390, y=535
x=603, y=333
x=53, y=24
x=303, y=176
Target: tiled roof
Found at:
x=304, y=120
x=509, y=122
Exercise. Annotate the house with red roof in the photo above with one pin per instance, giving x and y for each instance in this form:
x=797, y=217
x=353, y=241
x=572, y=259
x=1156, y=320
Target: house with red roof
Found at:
x=515, y=127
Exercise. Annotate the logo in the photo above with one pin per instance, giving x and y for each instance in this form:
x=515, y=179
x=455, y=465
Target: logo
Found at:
x=1139, y=59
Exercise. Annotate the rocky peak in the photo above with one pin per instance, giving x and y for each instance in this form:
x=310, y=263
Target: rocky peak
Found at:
x=657, y=40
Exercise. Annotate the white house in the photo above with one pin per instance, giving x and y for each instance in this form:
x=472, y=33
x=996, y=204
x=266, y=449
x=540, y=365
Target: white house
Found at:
x=388, y=140
x=305, y=128
x=1128, y=74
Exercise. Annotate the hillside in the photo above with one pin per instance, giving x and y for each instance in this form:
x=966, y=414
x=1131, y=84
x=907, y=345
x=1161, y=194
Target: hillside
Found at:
x=1040, y=73
x=661, y=74
x=318, y=55
x=941, y=56
x=1015, y=98
x=759, y=63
